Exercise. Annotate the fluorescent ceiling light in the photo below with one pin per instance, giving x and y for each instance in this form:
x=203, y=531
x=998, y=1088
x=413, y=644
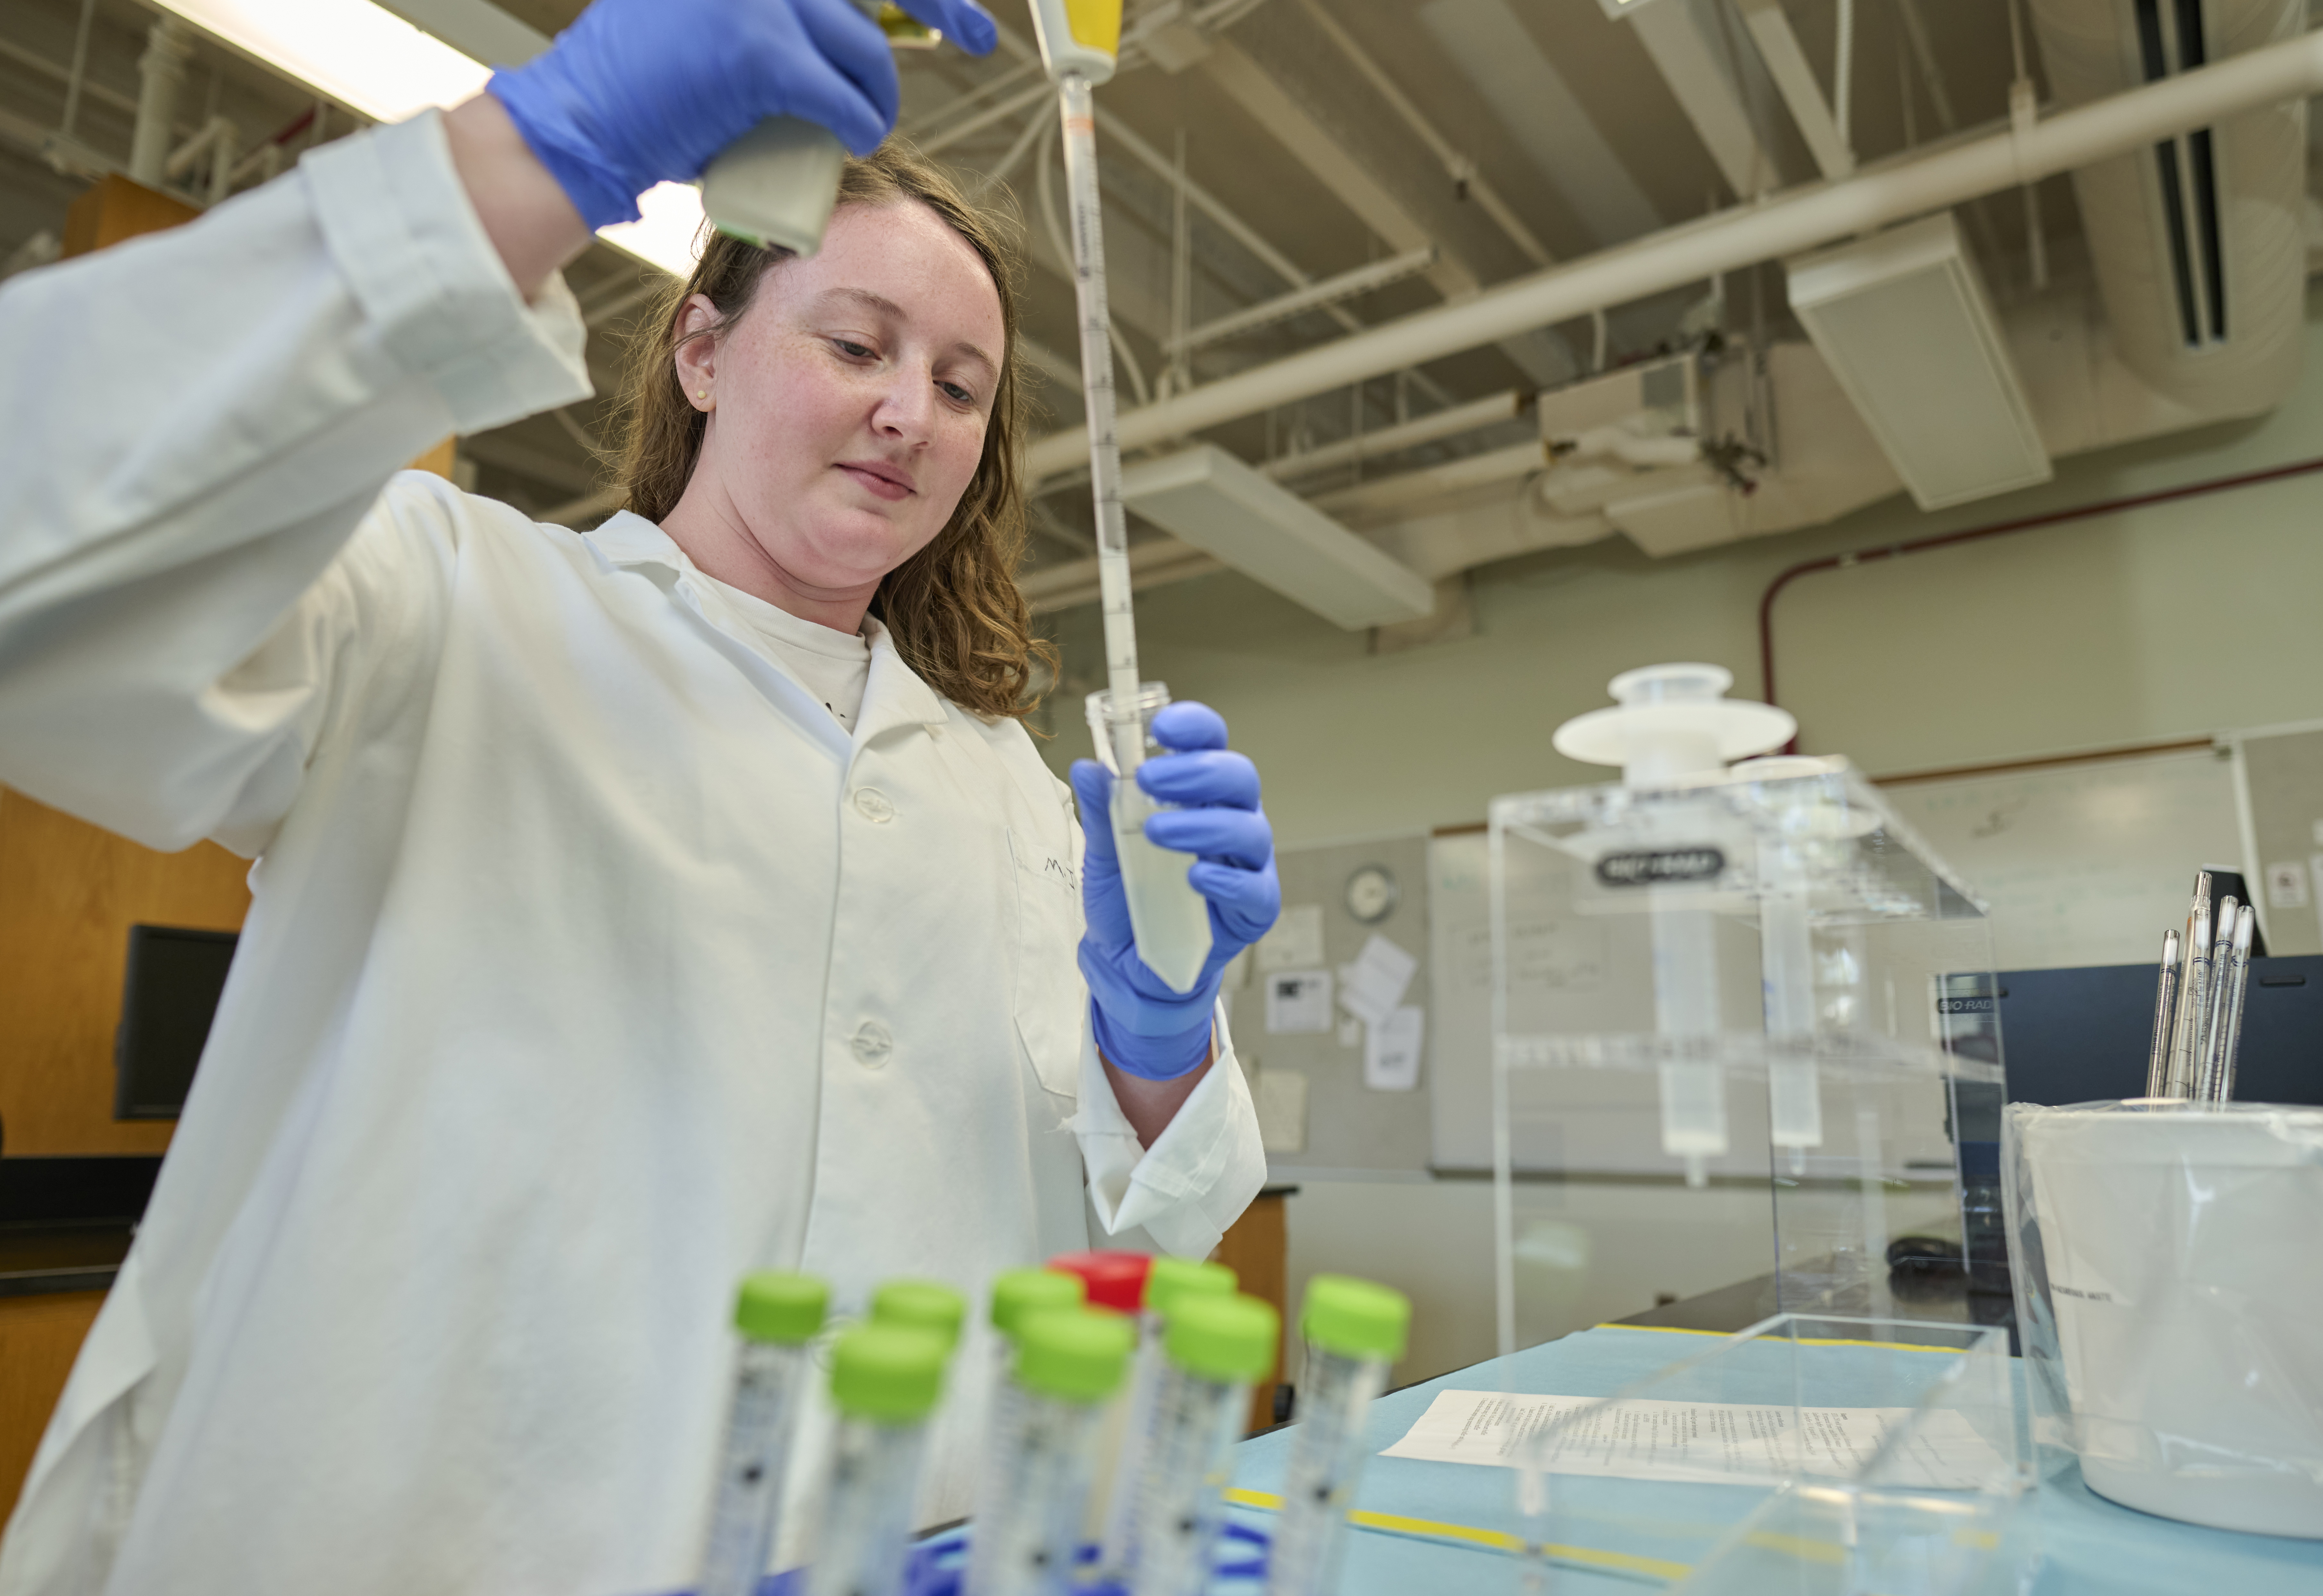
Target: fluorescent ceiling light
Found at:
x=1214, y=502
x=1903, y=319
x=373, y=62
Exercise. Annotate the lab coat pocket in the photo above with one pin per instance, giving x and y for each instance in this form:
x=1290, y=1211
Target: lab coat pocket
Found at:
x=1052, y=1002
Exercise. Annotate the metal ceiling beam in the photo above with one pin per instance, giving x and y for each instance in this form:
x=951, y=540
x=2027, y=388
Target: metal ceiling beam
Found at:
x=1794, y=80
x=1313, y=147
x=1456, y=164
x=1689, y=63
x=1541, y=116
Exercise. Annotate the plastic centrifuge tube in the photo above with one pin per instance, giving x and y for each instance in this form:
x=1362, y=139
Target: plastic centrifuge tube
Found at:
x=1169, y=918
x=1216, y=1347
x=778, y=1314
x=884, y=1380
x=1354, y=1331
x=1017, y=1294
x=1172, y=1283
x=1070, y=1363
x=1116, y=1281
x=923, y=1305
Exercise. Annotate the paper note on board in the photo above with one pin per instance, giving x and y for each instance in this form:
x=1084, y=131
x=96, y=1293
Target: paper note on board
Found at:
x=2286, y=886
x=1298, y=1001
x=1391, y=1050
x=1296, y=942
x=1280, y=1099
x=1371, y=987
x=1703, y=1442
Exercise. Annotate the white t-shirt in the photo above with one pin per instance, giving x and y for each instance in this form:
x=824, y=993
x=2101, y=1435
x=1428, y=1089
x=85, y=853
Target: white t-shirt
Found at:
x=834, y=665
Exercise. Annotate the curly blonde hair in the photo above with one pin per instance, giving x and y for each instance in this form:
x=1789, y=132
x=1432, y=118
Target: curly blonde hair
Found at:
x=953, y=608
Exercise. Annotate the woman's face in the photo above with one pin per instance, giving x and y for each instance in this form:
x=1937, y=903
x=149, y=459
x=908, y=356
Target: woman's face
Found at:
x=848, y=406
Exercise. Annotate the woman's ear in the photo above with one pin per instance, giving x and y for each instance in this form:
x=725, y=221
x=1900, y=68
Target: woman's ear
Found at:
x=696, y=354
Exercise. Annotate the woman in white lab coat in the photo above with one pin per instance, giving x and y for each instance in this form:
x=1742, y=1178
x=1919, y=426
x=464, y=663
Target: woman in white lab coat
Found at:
x=603, y=945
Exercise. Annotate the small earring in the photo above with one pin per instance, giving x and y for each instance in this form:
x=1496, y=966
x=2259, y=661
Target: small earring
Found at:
x=701, y=394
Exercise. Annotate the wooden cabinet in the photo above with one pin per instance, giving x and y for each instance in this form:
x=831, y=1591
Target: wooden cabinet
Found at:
x=68, y=895
x=39, y=1336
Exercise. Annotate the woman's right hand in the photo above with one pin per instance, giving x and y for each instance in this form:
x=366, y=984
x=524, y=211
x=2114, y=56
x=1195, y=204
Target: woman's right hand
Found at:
x=638, y=92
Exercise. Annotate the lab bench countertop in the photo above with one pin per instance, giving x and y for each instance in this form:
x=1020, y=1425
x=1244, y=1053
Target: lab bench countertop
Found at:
x=2084, y=1544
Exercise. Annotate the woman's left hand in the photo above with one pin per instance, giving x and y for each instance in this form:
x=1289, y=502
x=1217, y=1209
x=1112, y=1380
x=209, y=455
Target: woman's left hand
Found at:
x=1144, y=1026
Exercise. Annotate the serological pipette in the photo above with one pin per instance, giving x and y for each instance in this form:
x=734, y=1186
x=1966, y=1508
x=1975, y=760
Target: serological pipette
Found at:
x=1171, y=919
x=1078, y=44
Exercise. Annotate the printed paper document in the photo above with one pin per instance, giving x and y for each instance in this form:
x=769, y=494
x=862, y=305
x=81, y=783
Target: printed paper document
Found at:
x=1702, y=1442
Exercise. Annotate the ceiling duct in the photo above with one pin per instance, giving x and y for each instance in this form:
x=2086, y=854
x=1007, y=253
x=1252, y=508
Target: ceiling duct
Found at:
x=1903, y=320
x=1214, y=502
x=2197, y=239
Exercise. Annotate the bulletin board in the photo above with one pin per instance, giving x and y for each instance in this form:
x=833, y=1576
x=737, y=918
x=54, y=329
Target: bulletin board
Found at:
x=1316, y=1112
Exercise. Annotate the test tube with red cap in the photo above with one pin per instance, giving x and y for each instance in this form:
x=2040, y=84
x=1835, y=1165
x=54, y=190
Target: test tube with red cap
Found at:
x=1114, y=1279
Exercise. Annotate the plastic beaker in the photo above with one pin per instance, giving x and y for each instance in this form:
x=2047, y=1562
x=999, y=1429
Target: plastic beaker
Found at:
x=1170, y=919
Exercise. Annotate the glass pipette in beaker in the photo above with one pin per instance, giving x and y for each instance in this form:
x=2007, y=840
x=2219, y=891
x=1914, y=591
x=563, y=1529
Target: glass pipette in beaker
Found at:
x=1170, y=919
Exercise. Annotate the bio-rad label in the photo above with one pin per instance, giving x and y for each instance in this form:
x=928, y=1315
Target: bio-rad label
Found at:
x=1665, y=866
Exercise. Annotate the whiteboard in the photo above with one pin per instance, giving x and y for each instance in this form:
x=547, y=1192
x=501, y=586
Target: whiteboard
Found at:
x=2081, y=864
x=1460, y=1034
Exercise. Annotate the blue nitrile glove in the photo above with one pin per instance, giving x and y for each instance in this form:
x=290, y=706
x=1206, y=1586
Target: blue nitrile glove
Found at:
x=1143, y=1026
x=638, y=92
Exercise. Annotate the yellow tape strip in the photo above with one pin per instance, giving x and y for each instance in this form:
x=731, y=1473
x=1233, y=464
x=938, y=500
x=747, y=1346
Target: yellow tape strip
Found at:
x=1893, y=1346
x=1495, y=1539
x=1798, y=1546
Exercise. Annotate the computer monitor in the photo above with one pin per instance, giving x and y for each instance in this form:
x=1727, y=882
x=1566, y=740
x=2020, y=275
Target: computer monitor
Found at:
x=167, y=1002
x=2084, y=1035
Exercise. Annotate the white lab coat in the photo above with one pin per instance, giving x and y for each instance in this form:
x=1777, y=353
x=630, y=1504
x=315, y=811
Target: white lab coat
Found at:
x=590, y=963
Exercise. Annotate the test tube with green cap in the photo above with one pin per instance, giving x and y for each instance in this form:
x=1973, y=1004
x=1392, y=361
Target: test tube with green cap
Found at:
x=1170, y=1282
x=777, y=1314
x=884, y=1383
x=1069, y=1362
x=926, y=1305
x=1354, y=1331
x=1215, y=1347
x=1015, y=1294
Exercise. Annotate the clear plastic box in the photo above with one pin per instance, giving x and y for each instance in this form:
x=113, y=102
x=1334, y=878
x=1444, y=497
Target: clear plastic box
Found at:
x=1757, y=975
x=1814, y=1456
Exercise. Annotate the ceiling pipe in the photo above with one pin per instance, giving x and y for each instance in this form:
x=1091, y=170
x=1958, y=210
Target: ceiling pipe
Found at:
x=167, y=48
x=1730, y=240
x=1430, y=482
x=1406, y=434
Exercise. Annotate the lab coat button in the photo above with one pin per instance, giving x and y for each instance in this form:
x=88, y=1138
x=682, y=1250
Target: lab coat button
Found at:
x=873, y=805
x=872, y=1044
